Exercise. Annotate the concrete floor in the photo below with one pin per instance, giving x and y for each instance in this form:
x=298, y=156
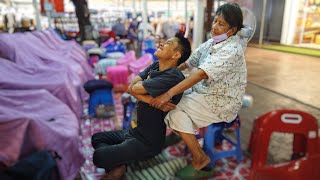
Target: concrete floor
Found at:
x=278, y=80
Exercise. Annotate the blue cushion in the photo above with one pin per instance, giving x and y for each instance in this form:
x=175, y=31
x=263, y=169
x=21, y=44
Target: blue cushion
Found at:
x=94, y=84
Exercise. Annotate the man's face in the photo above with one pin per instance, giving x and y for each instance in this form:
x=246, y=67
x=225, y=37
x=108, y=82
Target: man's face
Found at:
x=167, y=49
x=219, y=26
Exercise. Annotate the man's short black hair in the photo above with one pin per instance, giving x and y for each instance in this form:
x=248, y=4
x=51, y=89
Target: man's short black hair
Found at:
x=232, y=14
x=184, y=48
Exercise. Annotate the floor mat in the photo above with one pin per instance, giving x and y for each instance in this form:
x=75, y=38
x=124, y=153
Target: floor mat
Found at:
x=88, y=127
x=165, y=165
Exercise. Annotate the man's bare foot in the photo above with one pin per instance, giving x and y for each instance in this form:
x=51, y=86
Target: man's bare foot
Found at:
x=200, y=163
x=115, y=174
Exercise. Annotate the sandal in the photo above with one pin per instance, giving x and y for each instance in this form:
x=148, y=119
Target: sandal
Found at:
x=190, y=173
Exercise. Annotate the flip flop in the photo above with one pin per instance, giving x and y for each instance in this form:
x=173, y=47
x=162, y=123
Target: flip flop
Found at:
x=190, y=173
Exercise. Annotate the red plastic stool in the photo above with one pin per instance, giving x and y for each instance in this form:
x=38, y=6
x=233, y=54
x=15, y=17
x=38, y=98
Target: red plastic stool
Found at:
x=306, y=141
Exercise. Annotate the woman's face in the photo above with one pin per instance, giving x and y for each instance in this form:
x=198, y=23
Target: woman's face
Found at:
x=220, y=26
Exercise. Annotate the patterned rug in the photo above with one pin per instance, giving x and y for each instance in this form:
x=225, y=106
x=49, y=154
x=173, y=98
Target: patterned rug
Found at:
x=163, y=166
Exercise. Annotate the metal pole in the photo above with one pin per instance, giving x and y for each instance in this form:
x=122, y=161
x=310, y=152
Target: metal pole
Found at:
x=198, y=23
x=168, y=9
x=186, y=18
x=263, y=14
x=37, y=14
x=134, y=13
x=144, y=17
x=177, y=5
x=49, y=19
x=8, y=3
x=186, y=11
x=48, y=10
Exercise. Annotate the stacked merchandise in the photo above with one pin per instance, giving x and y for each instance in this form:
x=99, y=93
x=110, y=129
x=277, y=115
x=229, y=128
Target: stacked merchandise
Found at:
x=112, y=62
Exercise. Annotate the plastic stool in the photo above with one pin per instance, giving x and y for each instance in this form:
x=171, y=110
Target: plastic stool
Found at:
x=306, y=144
x=214, y=134
x=128, y=103
x=126, y=123
x=98, y=97
x=118, y=75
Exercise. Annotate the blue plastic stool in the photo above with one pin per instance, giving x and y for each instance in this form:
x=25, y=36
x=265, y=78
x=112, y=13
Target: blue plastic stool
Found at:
x=126, y=123
x=214, y=134
x=100, y=96
x=128, y=103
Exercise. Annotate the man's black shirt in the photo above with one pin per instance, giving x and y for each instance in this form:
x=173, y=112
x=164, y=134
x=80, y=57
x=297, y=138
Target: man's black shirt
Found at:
x=151, y=127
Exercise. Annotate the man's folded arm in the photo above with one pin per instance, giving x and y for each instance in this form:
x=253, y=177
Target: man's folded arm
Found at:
x=140, y=93
x=138, y=88
x=136, y=79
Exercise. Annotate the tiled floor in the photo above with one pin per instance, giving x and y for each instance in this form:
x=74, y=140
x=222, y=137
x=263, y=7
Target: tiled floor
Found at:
x=292, y=75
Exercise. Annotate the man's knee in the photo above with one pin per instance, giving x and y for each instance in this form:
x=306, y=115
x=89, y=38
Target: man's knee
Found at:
x=97, y=158
x=95, y=139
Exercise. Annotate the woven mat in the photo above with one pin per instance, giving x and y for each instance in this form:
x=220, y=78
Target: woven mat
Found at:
x=172, y=159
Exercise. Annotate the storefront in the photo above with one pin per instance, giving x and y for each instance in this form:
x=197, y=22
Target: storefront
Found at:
x=301, y=25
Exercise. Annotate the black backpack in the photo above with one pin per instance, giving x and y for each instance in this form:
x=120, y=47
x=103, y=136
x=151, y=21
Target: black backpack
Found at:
x=38, y=166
